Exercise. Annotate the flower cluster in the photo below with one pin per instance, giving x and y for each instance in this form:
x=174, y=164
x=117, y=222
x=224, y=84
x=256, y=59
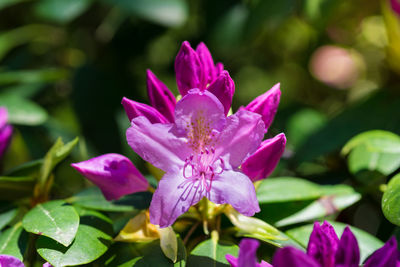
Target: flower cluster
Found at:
x=324, y=249
x=203, y=151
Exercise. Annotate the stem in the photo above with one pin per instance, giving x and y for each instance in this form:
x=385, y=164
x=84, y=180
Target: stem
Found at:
x=190, y=232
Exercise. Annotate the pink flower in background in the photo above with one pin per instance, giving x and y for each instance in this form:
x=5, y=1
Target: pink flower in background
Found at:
x=200, y=153
x=247, y=255
x=114, y=174
x=388, y=255
x=5, y=131
x=10, y=261
x=395, y=6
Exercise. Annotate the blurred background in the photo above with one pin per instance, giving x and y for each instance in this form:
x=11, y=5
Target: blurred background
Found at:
x=66, y=64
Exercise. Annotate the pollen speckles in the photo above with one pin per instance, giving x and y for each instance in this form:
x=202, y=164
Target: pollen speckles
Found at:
x=199, y=132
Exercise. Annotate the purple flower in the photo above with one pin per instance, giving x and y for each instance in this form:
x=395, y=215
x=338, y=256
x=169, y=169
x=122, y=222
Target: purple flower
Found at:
x=395, y=6
x=5, y=131
x=261, y=164
x=10, y=261
x=324, y=250
x=266, y=104
x=114, y=174
x=247, y=255
x=388, y=255
x=194, y=69
x=200, y=153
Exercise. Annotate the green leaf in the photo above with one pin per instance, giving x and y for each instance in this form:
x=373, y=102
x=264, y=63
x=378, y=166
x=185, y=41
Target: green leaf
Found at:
x=212, y=253
x=7, y=214
x=374, y=151
x=16, y=187
x=55, y=155
x=391, y=200
x=92, y=198
x=23, y=111
x=61, y=11
x=285, y=189
x=30, y=168
x=142, y=254
x=32, y=76
x=91, y=241
x=6, y=3
x=13, y=241
x=167, y=13
x=54, y=220
x=366, y=242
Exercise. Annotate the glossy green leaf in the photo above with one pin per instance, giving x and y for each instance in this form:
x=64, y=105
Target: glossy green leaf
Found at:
x=7, y=214
x=53, y=219
x=373, y=150
x=61, y=11
x=13, y=241
x=55, y=155
x=30, y=168
x=366, y=242
x=168, y=13
x=23, y=111
x=92, y=198
x=212, y=253
x=391, y=200
x=91, y=241
x=285, y=189
x=32, y=76
x=16, y=187
x=143, y=254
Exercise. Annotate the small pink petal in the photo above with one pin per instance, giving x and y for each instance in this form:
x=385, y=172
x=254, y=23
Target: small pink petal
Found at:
x=10, y=261
x=135, y=109
x=261, y=164
x=161, y=98
x=223, y=88
x=207, y=62
x=114, y=174
x=266, y=104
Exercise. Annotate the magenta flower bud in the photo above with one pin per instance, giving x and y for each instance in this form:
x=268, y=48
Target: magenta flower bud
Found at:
x=387, y=255
x=223, y=88
x=5, y=131
x=266, y=104
x=247, y=255
x=348, y=253
x=207, y=62
x=290, y=257
x=135, y=109
x=114, y=174
x=219, y=67
x=261, y=164
x=189, y=70
x=11, y=261
x=161, y=98
x=395, y=6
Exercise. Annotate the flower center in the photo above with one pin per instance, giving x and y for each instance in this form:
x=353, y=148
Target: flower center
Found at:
x=203, y=167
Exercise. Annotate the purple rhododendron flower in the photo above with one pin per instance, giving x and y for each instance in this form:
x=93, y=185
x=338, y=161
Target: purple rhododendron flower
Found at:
x=324, y=250
x=10, y=261
x=201, y=153
x=386, y=256
x=395, y=6
x=114, y=174
x=5, y=131
x=194, y=69
x=247, y=255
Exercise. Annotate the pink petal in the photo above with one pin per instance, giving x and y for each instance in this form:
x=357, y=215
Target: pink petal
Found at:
x=189, y=70
x=240, y=138
x=248, y=253
x=161, y=98
x=261, y=164
x=395, y=6
x=10, y=261
x=266, y=104
x=198, y=113
x=173, y=197
x=385, y=256
x=5, y=138
x=223, y=88
x=323, y=244
x=219, y=67
x=235, y=188
x=3, y=117
x=157, y=144
x=233, y=261
x=114, y=174
x=348, y=253
x=135, y=109
x=293, y=257
x=207, y=62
